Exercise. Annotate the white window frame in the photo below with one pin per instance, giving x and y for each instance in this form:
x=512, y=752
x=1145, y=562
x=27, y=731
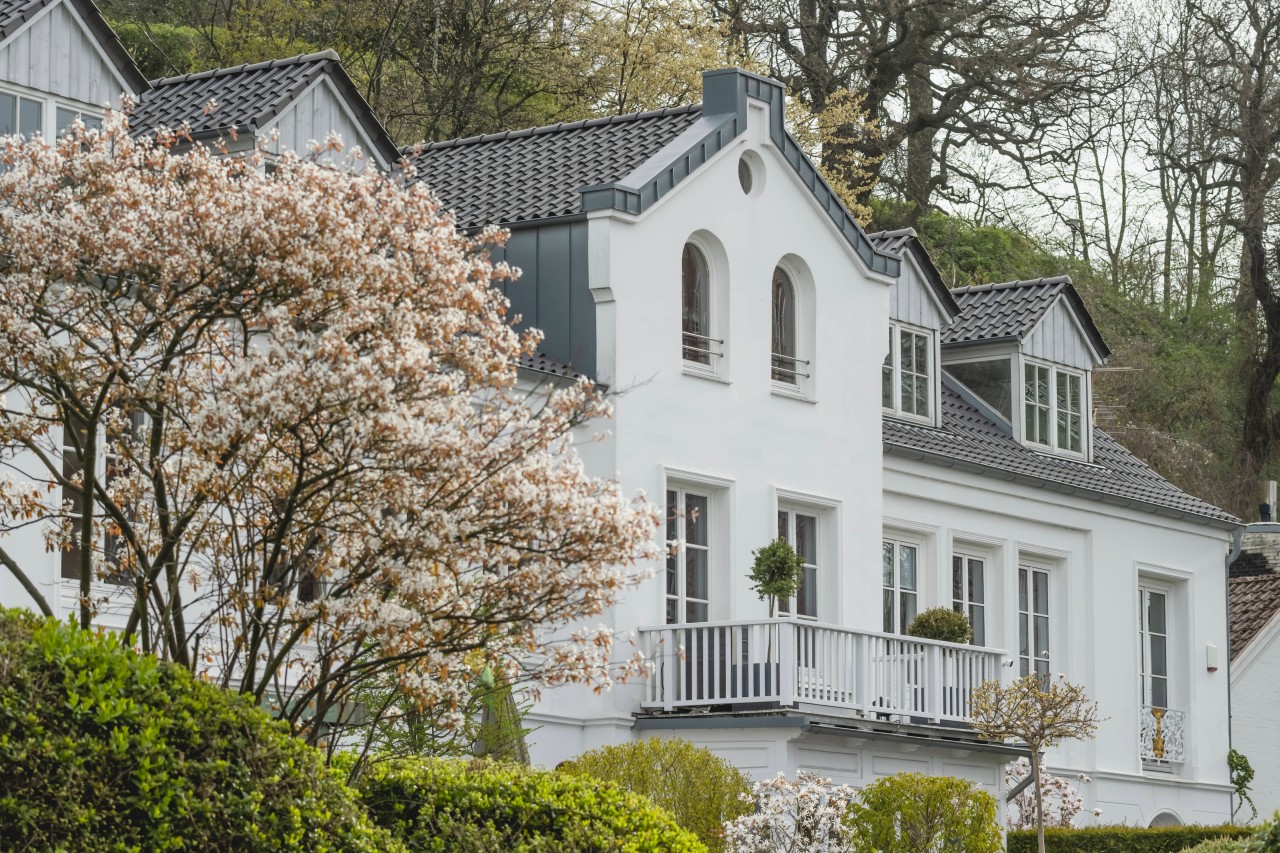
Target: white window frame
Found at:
x=803, y=361
x=896, y=588
x=1027, y=614
x=894, y=366
x=676, y=567
x=1052, y=445
x=80, y=112
x=49, y=106
x=717, y=332
x=965, y=603
x=1147, y=588
x=812, y=568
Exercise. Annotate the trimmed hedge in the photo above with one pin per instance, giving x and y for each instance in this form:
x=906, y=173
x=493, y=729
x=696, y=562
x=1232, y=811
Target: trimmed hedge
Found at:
x=105, y=749
x=697, y=787
x=1122, y=839
x=454, y=806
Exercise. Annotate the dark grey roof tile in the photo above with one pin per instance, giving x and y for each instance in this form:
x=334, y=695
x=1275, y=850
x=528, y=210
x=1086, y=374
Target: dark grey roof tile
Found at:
x=1254, y=601
x=1011, y=309
x=967, y=436
x=537, y=173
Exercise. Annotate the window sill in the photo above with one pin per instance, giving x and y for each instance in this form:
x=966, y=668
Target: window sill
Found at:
x=780, y=389
x=701, y=373
x=908, y=418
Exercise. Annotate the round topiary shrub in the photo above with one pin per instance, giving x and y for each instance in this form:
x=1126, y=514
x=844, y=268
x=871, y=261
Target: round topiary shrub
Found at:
x=941, y=623
x=701, y=790
x=105, y=749
x=455, y=806
x=911, y=813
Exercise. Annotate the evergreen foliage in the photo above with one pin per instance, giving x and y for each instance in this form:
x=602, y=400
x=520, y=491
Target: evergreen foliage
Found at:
x=776, y=572
x=915, y=813
x=450, y=806
x=1122, y=839
x=941, y=623
x=105, y=749
x=701, y=790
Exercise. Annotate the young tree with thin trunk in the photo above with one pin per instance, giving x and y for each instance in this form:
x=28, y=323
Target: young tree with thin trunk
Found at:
x=273, y=417
x=1038, y=712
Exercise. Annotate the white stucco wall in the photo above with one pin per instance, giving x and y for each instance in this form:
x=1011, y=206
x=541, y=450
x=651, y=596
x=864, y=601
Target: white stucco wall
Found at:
x=1255, y=698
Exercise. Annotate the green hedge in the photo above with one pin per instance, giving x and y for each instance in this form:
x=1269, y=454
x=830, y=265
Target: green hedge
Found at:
x=1122, y=839
x=104, y=749
x=453, y=806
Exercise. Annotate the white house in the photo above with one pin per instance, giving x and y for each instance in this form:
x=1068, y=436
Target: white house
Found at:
x=694, y=261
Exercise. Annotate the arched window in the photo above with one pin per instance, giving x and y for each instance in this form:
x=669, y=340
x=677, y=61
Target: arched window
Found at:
x=695, y=320
x=785, y=363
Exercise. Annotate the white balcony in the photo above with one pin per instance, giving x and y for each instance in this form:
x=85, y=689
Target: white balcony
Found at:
x=787, y=663
x=1162, y=731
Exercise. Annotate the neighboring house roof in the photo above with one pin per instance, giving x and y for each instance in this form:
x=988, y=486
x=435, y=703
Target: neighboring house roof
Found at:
x=971, y=439
x=541, y=363
x=15, y=13
x=538, y=173
x=1011, y=310
x=248, y=97
x=1254, y=601
x=624, y=163
x=905, y=240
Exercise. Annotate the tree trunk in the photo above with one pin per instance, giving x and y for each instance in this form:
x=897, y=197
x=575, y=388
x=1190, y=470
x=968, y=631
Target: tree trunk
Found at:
x=920, y=157
x=1035, y=776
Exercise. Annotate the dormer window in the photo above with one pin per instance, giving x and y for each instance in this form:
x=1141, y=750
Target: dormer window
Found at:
x=1053, y=407
x=907, y=375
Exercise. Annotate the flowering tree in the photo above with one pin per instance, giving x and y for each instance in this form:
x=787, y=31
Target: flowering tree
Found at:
x=804, y=815
x=275, y=413
x=1060, y=798
x=1039, y=712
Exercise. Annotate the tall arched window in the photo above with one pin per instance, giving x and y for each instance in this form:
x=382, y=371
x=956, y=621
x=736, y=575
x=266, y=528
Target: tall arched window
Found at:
x=785, y=363
x=695, y=321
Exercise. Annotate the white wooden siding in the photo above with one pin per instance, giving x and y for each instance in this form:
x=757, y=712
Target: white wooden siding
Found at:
x=57, y=54
x=911, y=298
x=312, y=116
x=1058, y=338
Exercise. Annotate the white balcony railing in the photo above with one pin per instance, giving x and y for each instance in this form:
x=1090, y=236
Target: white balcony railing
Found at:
x=1162, y=734
x=785, y=662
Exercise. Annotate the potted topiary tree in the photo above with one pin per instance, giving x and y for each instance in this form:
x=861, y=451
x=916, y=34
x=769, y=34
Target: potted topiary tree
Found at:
x=775, y=576
x=949, y=626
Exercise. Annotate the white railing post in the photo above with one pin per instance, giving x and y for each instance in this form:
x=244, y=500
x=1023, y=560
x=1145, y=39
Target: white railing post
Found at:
x=862, y=673
x=933, y=682
x=668, y=658
x=787, y=662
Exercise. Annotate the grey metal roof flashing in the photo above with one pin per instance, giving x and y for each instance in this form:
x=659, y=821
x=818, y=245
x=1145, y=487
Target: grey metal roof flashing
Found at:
x=906, y=240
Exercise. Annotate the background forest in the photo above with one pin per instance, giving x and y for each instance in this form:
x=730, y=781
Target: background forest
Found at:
x=1134, y=145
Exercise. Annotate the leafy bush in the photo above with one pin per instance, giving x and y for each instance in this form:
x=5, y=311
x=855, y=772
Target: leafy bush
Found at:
x=1217, y=845
x=1122, y=839
x=1266, y=839
x=699, y=789
x=451, y=806
x=105, y=749
x=941, y=623
x=915, y=813
x=801, y=815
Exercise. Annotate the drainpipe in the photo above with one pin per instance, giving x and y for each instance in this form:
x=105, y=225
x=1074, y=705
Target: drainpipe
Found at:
x=1236, y=535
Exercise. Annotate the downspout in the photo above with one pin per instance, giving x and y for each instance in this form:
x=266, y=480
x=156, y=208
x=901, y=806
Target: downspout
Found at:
x=1236, y=535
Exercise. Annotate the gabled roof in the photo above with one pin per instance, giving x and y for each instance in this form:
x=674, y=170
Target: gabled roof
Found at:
x=539, y=173
x=971, y=439
x=15, y=13
x=624, y=163
x=1254, y=601
x=905, y=240
x=1011, y=310
x=248, y=97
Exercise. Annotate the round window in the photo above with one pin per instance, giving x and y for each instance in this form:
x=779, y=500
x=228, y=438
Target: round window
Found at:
x=744, y=174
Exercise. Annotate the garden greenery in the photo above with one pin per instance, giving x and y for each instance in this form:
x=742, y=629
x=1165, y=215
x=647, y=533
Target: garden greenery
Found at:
x=776, y=572
x=106, y=749
x=915, y=813
x=1122, y=839
x=701, y=790
x=941, y=623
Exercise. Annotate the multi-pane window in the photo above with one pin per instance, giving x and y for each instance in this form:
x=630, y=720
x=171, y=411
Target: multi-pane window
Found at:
x=696, y=344
x=74, y=445
x=1070, y=412
x=968, y=593
x=1037, y=409
x=786, y=365
x=1153, y=631
x=1053, y=408
x=65, y=117
x=688, y=556
x=20, y=115
x=1033, y=621
x=906, y=383
x=899, y=585
x=800, y=530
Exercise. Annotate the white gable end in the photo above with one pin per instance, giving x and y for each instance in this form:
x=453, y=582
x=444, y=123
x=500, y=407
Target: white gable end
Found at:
x=312, y=116
x=1058, y=338
x=57, y=53
x=912, y=300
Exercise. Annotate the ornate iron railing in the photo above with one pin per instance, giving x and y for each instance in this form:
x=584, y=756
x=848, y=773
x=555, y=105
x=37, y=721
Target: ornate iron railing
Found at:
x=1162, y=733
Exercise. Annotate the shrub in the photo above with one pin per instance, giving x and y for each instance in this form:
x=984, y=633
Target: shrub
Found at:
x=914, y=813
x=1123, y=839
x=1266, y=839
x=1060, y=800
x=1217, y=845
x=941, y=623
x=804, y=815
x=105, y=749
x=452, y=806
x=699, y=789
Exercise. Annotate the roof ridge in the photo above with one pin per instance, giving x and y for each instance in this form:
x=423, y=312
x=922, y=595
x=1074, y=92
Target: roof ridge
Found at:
x=1008, y=285
x=325, y=55
x=896, y=232
x=548, y=129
